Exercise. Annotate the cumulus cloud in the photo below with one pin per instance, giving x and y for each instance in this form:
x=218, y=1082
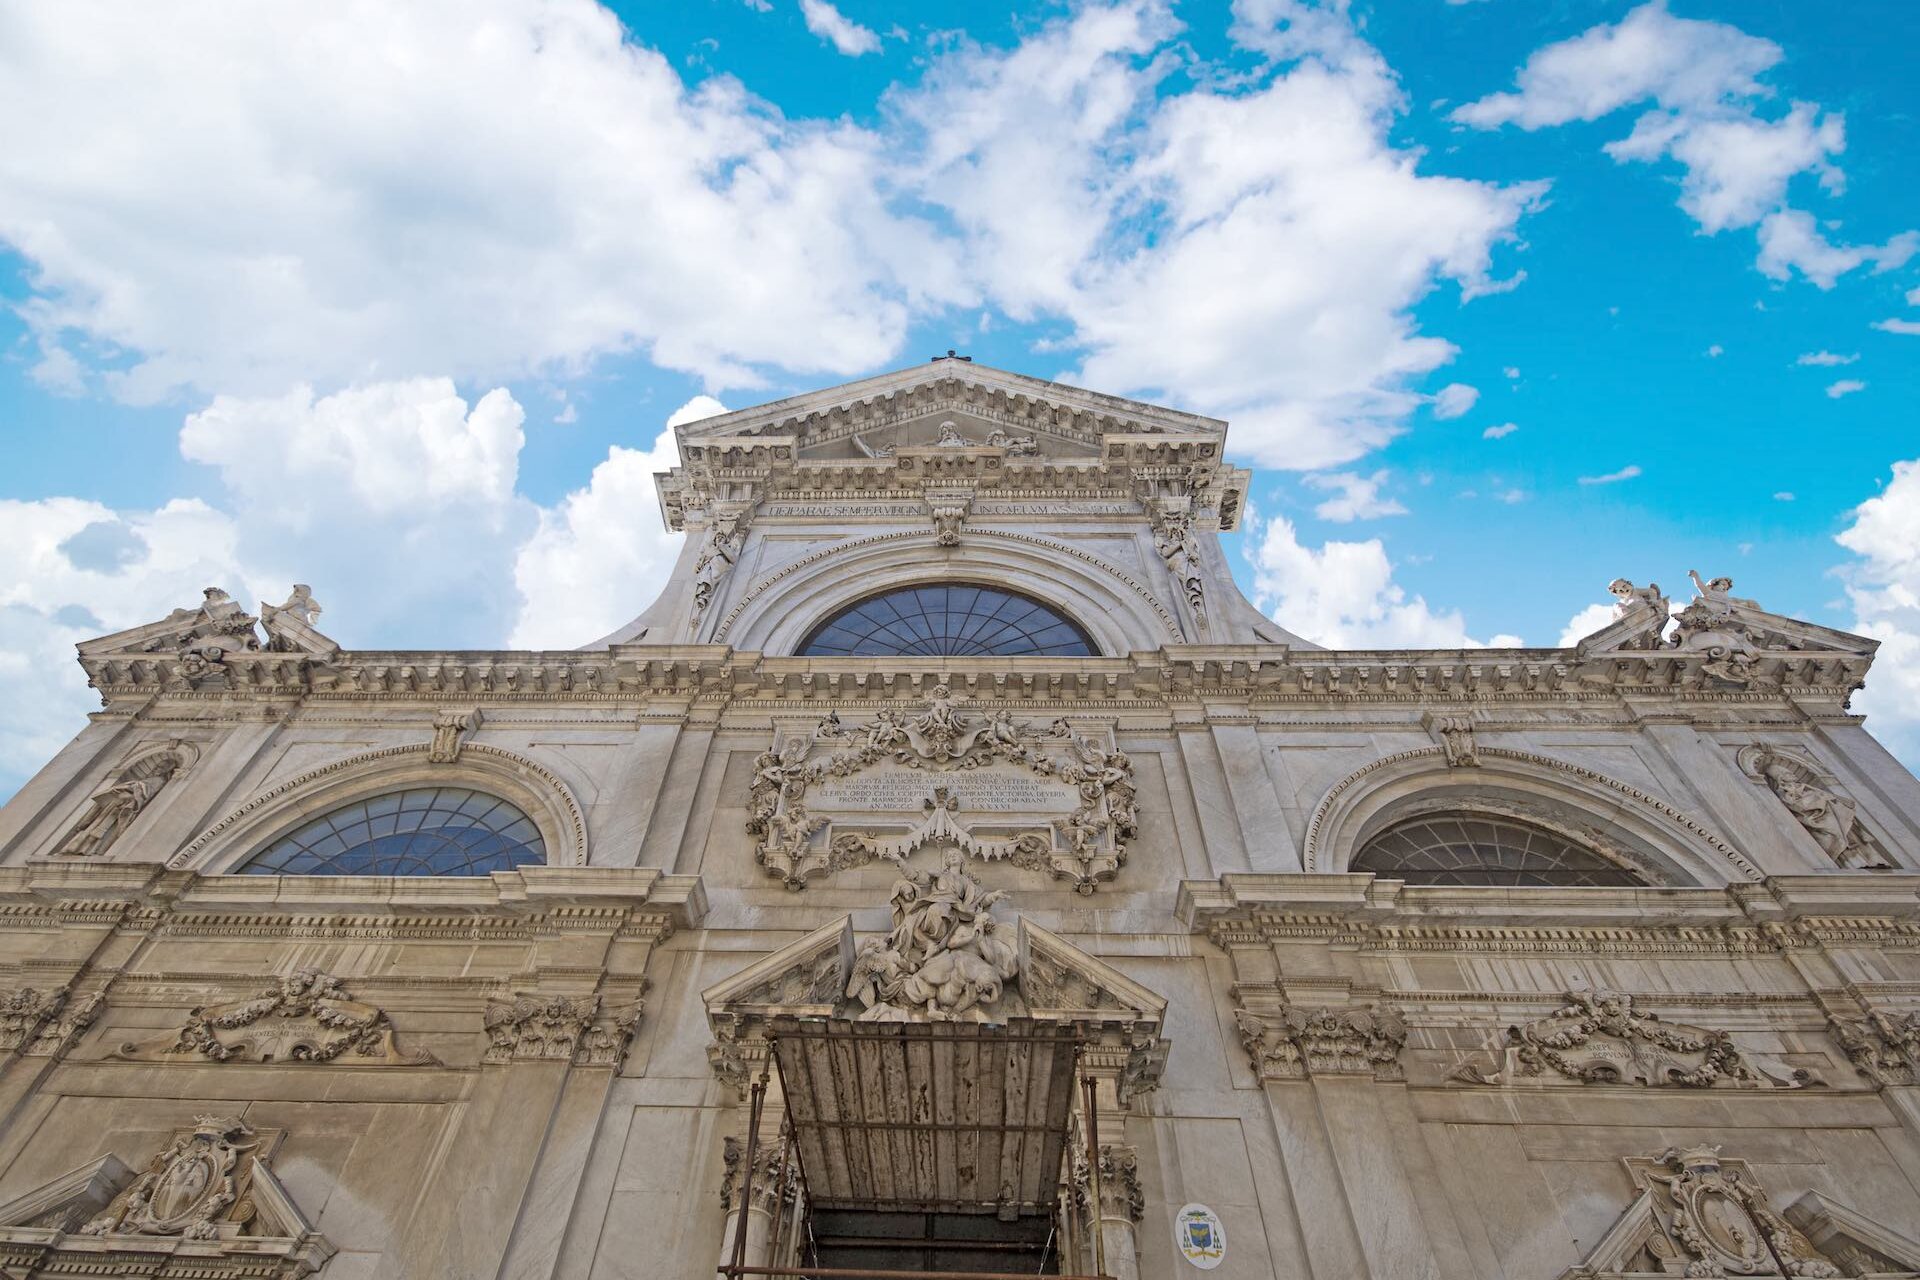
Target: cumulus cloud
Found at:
x=844, y=34
x=1343, y=595
x=76, y=569
x=1584, y=623
x=1883, y=584
x=1845, y=387
x=1826, y=359
x=365, y=202
x=1500, y=431
x=1454, y=399
x=1909, y=327
x=1157, y=198
x=602, y=555
x=1628, y=472
x=1699, y=84
x=1356, y=497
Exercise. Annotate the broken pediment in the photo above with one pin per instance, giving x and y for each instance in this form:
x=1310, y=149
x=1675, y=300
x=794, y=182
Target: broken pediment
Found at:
x=214, y=646
x=208, y=1204
x=1700, y=1214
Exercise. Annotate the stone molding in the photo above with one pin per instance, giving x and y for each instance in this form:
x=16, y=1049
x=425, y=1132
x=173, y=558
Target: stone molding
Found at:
x=1686, y=835
x=371, y=772
x=1285, y=1041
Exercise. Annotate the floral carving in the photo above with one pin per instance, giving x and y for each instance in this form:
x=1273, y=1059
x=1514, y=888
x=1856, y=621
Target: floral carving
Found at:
x=1293, y=1042
x=23, y=1011
x=776, y=1180
x=307, y=1017
x=1598, y=1037
x=1882, y=1046
x=531, y=1027
x=605, y=1041
x=1086, y=846
x=1120, y=1195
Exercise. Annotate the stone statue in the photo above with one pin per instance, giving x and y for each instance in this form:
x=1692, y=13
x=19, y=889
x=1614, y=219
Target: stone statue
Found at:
x=1642, y=602
x=722, y=551
x=1830, y=818
x=112, y=808
x=943, y=959
x=1173, y=539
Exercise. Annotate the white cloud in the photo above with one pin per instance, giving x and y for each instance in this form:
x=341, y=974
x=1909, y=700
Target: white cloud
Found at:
x=602, y=555
x=1699, y=82
x=1500, y=431
x=1715, y=351
x=366, y=191
x=1156, y=199
x=1512, y=497
x=1454, y=399
x=1913, y=297
x=1826, y=358
x=1627, y=472
x=75, y=569
x=1584, y=623
x=1783, y=496
x=846, y=35
x=1790, y=241
x=1898, y=326
x=1845, y=387
x=1512, y=374
x=1883, y=584
x=1356, y=497
x=1343, y=594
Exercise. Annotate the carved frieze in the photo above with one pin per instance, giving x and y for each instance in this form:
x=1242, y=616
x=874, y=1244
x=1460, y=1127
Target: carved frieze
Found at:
x=537, y=1028
x=1294, y=1042
x=1598, y=1037
x=306, y=1017
x=1816, y=802
x=985, y=784
x=1884, y=1047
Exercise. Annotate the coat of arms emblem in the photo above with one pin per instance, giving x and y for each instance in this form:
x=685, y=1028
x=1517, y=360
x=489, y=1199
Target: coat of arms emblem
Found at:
x=1200, y=1236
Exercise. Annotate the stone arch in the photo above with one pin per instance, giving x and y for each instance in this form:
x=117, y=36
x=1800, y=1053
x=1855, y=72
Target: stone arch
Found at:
x=539, y=793
x=1116, y=608
x=1619, y=821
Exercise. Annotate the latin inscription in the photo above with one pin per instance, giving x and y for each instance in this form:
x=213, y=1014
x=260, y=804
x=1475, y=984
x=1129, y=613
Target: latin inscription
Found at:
x=976, y=791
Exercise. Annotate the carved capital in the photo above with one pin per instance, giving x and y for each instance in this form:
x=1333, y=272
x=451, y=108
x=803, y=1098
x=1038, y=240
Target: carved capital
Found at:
x=606, y=1040
x=1295, y=1042
x=776, y=1182
x=537, y=1028
x=1884, y=1047
x=1120, y=1196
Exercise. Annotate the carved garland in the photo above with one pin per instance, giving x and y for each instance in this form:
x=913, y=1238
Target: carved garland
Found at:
x=1315, y=855
x=576, y=821
x=1095, y=833
x=1160, y=611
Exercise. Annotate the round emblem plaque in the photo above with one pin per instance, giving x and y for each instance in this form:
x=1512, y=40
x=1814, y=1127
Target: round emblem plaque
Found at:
x=1200, y=1236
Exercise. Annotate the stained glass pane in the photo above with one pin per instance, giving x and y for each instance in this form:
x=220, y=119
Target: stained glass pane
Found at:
x=948, y=621
x=428, y=831
x=1485, y=849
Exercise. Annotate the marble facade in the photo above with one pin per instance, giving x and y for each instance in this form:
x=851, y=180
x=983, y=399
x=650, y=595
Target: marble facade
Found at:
x=1703, y=1061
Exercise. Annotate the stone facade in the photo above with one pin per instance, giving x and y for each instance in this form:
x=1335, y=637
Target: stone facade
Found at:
x=1692, y=1050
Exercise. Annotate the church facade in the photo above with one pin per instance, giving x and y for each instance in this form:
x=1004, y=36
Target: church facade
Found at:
x=952, y=873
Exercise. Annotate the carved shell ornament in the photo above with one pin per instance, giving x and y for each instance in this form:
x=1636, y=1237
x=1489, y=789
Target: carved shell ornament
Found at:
x=946, y=777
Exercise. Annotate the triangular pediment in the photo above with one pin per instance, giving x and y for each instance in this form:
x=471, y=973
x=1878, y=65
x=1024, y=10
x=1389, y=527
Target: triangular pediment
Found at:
x=907, y=408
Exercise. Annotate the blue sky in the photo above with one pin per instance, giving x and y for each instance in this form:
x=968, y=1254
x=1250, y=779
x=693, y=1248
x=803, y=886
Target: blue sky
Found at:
x=1503, y=298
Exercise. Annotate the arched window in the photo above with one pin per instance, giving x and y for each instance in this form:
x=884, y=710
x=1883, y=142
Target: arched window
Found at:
x=1464, y=847
x=428, y=831
x=954, y=620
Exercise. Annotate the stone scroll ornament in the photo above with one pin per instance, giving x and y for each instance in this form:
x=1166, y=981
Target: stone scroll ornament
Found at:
x=944, y=959
x=1086, y=846
x=1598, y=1037
x=307, y=1017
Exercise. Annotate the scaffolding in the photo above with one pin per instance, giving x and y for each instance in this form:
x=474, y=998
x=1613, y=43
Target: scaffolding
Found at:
x=968, y=1117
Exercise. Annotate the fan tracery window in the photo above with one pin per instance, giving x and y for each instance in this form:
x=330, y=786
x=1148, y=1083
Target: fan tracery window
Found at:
x=952, y=620
x=426, y=831
x=1463, y=847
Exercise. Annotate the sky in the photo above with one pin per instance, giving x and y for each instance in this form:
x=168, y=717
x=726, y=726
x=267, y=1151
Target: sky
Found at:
x=1502, y=298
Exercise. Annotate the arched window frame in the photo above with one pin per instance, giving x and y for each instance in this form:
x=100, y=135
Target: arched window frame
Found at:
x=1057, y=618
x=420, y=824
x=1609, y=868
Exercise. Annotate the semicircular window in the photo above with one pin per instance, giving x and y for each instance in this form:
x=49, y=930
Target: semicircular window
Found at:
x=428, y=831
x=1465, y=847
x=954, y=620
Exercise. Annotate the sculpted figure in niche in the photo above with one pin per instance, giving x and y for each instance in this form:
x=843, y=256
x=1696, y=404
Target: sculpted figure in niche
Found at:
x=1830, y=818
x=112, y=809
x=722, y=551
